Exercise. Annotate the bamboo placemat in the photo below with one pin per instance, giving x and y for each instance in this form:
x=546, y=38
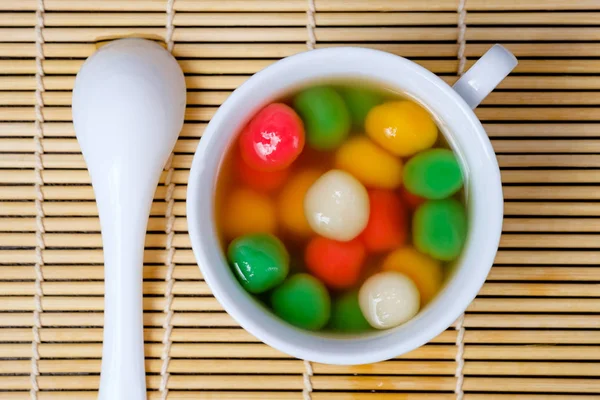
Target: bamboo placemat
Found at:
x=532, y=334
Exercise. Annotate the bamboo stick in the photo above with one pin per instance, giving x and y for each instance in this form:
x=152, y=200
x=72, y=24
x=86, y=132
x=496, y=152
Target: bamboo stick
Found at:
x=531, y=368
x=550, y=273
x=62, y=5
x=532, y=352
x=84, y=335
x=329, y=5
x=538, y=114
x=390, y=368
x=536, y=49
x=551, y=225
x=549, y=160
x=78, y=224
x=192, y=82
x=538, y=336
x=77, y=19
x=552, y=208
x=550, y=192
x=542, y=98
x=557, y=66
x=532, y=385
x=175, y=366
x=442, y=396
x=237, y=50
x=152, y=382
x=237, y=5
x=28, y=113
x=500, y=130
x=73, y=176
x=82, y=208
x=215, y=82
x=64, y=98
x=74, y=224
x=470, y=383
x=547, y=257
x=533, y=18
x=22, y=50
x=500, y=396
x=506, y=5
x=65, y=129
x=389, y=18
x=556, y=176
x=64, y=113
x=532, y=34
x=86, y=240
x=79, y=303
x=299, y=5
x=540, y=289
x=97, y=288
x=549, y=241
x=531, y=321
x=81, y=34
x=71, y=319
x=93, y=272
x=471, y=368
x=491, y=305
x=383, y=383
x=69, y=192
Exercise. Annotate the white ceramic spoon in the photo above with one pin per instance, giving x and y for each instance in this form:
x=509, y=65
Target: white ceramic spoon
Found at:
x=128, y=109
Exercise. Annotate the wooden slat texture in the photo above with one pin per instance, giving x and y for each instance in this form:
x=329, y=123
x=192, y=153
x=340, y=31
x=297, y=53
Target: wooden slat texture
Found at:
x=533, y=332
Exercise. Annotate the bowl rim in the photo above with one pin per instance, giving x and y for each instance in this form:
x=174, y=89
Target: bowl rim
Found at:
x=483, y=187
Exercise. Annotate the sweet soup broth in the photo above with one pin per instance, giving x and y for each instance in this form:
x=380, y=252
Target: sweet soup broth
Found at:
x=340, y=206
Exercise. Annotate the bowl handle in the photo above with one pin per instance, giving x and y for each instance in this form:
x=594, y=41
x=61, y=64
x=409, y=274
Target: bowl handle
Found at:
x=485, y=75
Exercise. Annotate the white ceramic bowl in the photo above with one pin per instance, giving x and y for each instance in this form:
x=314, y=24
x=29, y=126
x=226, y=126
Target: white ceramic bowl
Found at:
x=459, y=125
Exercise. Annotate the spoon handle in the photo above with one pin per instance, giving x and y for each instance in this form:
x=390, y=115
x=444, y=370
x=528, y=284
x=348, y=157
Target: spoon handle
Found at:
x=123, y=219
